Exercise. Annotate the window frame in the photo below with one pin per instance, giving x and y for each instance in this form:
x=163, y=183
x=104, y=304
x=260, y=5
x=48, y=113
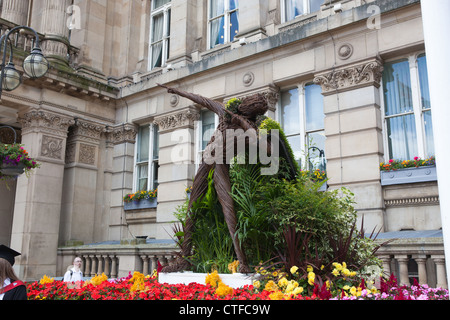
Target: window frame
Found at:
x=166, y=10
x=306, y=4
x=303, y=133
x=226, y=14
x=152, y=161
x=418, y=110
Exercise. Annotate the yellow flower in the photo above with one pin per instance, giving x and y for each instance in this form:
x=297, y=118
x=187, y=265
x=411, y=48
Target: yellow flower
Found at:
x=233, y=266
x=46, y=280
x=271, y=286
x=213, y=279
x=345, y=272
x=311, y=278
x=335, y=272
x=309, y=269
x=353, y=291
x=223, y=290
x=276, y=295
x=294, y=269
x=298, y=290
x=283, y=282
x=275, y=273
x=337, y=265
x=291, y=286
x=346, y=287
x=256, y=284
x=321, y=267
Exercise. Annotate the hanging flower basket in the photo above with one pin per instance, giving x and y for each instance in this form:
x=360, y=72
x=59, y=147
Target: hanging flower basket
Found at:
x=14, y=161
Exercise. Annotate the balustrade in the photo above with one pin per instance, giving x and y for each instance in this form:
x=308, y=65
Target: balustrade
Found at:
x=426, y=267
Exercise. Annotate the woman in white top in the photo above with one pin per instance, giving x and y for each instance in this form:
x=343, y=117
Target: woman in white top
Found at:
x=74, y=273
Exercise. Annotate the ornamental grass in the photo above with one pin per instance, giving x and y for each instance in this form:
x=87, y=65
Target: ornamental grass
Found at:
x=140, y=287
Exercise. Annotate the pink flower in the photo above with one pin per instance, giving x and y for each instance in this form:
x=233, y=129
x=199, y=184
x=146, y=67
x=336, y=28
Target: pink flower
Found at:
x=416, y=158
x=392, y=160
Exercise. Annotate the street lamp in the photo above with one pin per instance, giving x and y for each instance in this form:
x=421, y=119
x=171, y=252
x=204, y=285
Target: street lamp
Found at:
x=35, y=65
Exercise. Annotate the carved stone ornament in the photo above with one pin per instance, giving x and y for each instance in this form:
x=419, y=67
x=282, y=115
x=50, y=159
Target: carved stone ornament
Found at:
x=123, y=133
x=87, y=154
x=345, y=51
x=361, y=75
x=180, y=119
x=45, y=121
x=248, y=79
x=88, y=129
x=52, y=147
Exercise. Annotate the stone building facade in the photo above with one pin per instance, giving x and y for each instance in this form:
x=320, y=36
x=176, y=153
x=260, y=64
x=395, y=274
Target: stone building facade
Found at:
x=338, y=73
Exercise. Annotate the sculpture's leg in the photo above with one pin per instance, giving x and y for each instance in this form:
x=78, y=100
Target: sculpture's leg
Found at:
x=199, y=188
x=223, y=188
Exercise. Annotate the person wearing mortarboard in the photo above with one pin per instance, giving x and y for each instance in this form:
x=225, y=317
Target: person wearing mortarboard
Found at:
x=11, y=288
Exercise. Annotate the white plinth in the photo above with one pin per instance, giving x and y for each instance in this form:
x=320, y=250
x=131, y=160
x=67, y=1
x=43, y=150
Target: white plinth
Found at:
x=236, y=280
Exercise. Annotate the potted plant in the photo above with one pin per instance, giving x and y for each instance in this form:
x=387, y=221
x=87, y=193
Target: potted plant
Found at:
x=316, y=176
x=408, y=171
x=140, y=200
x=14, y=161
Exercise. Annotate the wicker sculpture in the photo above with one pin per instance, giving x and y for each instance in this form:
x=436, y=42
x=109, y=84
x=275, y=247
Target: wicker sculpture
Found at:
x=245, y=118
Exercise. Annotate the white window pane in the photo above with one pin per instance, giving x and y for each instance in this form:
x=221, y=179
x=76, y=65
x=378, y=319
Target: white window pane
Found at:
x=316, y=150
x=143, y=147
x=423, y=78
x=397, y=88
x=158, y=27
x=290, y=112
x=293, y=8
x=216, y=8
x=314, y=5
x=233, y=4
x=217, y=32
x=157, y=50
x=402, y=137
x=295, y=143
x=155, y=143
x=429, y=139
x=314, y=107
x=159, y=3
x=208, y=127
x=234, y=24
x=142, y=171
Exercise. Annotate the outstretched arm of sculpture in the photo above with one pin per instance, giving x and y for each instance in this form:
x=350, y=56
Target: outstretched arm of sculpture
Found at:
x=212, y=105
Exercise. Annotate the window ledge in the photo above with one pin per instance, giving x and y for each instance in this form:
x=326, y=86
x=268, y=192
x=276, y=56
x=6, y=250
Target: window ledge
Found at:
x=298, y=21
x=408, y=175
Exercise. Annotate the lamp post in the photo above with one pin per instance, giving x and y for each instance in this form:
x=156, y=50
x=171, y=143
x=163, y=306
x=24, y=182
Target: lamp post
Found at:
x=35, y=65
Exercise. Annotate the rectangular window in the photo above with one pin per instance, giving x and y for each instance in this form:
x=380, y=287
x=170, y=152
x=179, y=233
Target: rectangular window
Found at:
x=295, y=8
x=302, y=120
x=223, y=21
x=407, y=109
x=205, y=130
x=147, y=155
x=160, y=33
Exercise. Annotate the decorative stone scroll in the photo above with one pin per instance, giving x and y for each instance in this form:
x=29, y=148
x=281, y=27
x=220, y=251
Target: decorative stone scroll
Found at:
x=177, y=120
x=350, y=77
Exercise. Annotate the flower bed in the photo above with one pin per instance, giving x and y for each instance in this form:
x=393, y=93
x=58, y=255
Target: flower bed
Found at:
x=140, y=287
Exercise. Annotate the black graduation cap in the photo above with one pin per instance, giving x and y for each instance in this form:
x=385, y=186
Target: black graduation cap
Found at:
x=8, y=254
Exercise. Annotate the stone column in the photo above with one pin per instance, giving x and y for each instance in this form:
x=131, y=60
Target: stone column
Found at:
x=421, y=261
x=176, y=164
x=403, y=269
x=54, y=26
x=80, y=182
x=386, y=260
x=123, y=137
x=15, y=11
x=353, y=128
x=37, y=207
x=441, y=278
